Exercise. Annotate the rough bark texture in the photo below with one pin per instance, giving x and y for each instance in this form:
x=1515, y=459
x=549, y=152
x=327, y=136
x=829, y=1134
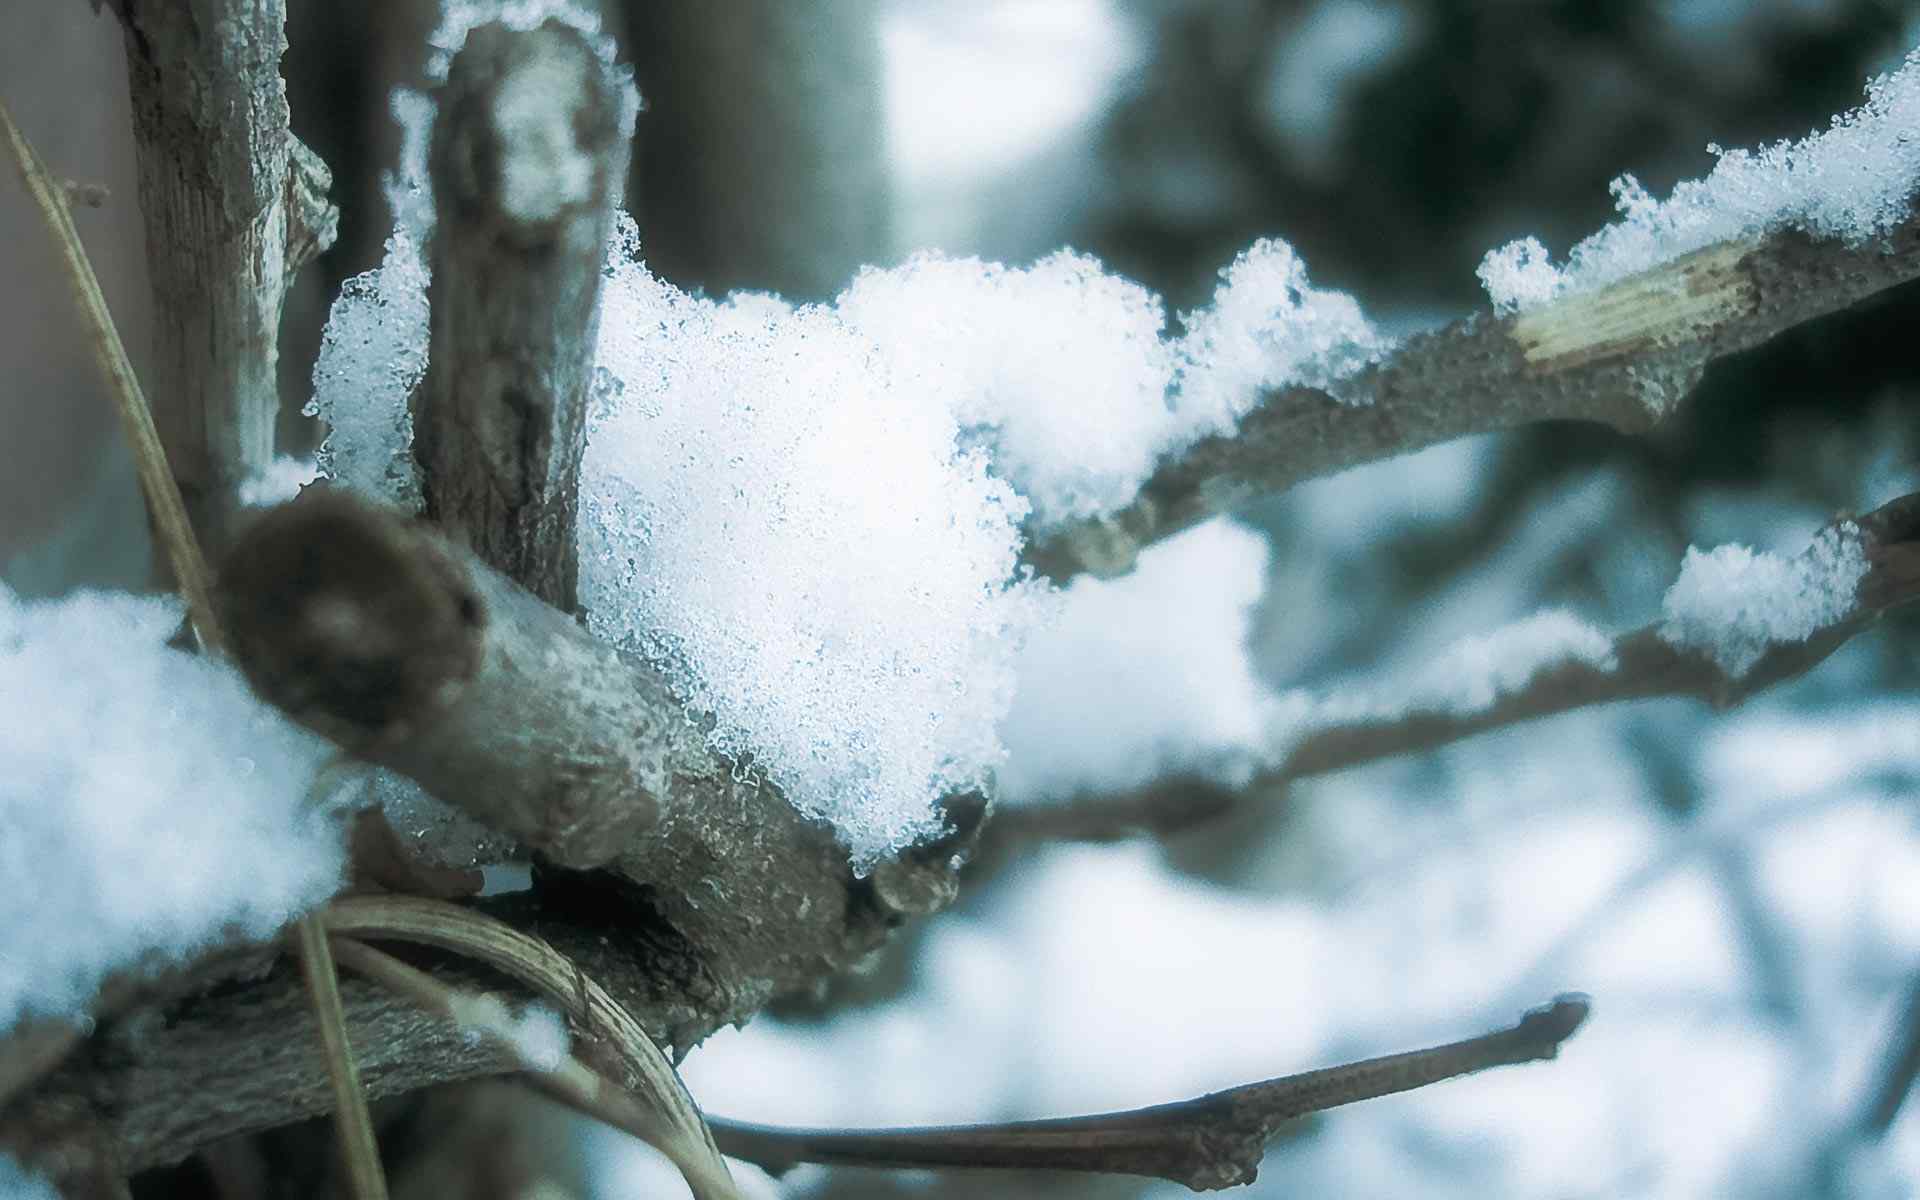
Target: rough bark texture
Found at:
x=234, y=205
x=529, y=155
x=761, y=156
x=1624, y=356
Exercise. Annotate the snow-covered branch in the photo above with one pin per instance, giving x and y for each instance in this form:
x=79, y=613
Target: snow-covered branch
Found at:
x=1721, y=655
x=234, y=206
x=1624, y=355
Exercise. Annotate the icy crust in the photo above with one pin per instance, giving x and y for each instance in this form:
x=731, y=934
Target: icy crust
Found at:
x=1853, y=182
x=149, y=807
x=1733, y=603
x=373, y=353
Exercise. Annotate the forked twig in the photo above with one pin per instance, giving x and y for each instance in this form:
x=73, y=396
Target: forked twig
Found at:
x=1210, y=1142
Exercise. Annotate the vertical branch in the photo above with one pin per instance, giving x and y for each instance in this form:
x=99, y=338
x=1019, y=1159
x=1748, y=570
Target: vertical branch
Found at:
x=233, y=207
x=529, y=152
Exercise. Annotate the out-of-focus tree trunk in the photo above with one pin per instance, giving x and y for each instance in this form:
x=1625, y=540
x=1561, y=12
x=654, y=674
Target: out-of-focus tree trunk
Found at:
x=761, y=156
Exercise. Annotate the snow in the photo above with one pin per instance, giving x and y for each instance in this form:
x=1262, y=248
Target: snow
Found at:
x=1143, y=674
x=138, y=780
x=373, y=353
x=537, y=1035
x=1267, y=328
x=821, y=563
x=17, y=1184
x=1151, y=674
x=1853, y=182
x=1732, y=603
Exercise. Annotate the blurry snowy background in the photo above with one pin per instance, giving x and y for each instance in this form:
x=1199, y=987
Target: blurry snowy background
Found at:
x=1740, y=893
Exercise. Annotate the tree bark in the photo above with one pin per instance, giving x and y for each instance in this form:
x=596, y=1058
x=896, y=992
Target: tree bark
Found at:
x=529, y=154
x=233, y=205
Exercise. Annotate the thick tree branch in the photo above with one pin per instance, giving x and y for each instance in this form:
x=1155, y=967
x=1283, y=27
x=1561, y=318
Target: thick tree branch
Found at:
x=234, y=205
x=398, y=644
x=1624, y=356
x=529, y=155
x=1899, y=1067
x=1213, y=1141
x=1645, y=666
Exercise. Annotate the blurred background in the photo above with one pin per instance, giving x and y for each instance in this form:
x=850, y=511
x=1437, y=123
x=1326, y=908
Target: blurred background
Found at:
x=1740, y=892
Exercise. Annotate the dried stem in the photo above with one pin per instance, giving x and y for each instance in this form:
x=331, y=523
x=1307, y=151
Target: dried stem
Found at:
x=1210, y=1142
x=528, y=160
x=157, y=480
x=1624, y=356
x=570, y=1080
x=1646, y=665
x=358, y=1151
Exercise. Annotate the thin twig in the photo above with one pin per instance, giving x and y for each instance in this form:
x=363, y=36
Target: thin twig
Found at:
x=1644, y=666
x=169, y=512
x=571, y=1080
x=1212, y=1141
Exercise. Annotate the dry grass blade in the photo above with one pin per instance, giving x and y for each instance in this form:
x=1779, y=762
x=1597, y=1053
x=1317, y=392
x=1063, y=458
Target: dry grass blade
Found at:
x=568, y=1080
x=555, y=977
x=169, y=513
x=136, y=419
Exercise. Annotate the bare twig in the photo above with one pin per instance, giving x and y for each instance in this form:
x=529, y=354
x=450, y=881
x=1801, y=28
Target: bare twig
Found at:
x=529, y=157
x=1645, y=665
x=355, y=1128
x=570, y=1080
x=1213, y=1141
x=234, y=205
x=1624, y=356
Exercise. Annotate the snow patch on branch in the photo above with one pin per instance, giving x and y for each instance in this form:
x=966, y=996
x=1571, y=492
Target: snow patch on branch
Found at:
x=150, y=807
x=1733, y=603
x=1853, y=182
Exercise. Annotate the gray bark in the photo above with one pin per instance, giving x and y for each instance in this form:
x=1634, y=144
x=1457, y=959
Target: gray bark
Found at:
x=529, y=155
x=234, y=205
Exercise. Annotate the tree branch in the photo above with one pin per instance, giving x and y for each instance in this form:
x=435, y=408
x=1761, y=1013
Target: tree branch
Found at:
x=1624, y=356
x=1899, y=1068
x=1646, y=665
x=1210, y=1142
x=529, y=156
x=234, y=205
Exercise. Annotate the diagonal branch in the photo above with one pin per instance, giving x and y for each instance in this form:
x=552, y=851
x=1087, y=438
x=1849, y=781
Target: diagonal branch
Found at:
x=1645, y=665
x=1624, y=356
x=1210, y=1142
